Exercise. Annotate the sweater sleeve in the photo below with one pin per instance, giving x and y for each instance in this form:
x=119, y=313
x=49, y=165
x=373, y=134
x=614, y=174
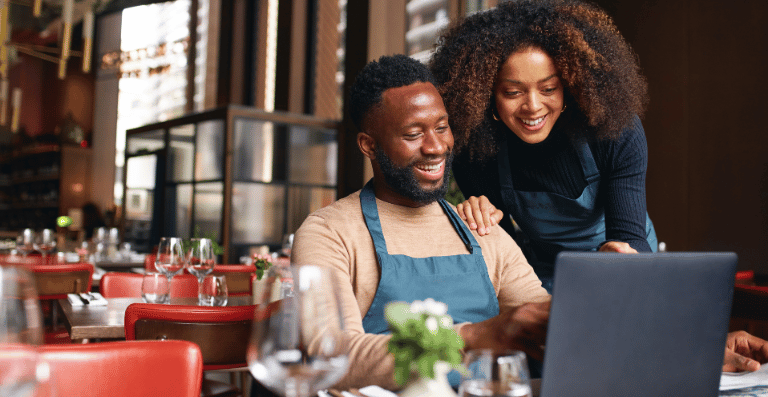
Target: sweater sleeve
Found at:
x=371, y=363
x=624, y=163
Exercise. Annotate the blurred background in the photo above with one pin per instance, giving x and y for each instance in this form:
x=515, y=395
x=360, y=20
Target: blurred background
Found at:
x=226, y=118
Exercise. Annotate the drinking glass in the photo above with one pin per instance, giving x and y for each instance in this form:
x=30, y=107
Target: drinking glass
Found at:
x=45, y=243
x=495, y=374
x=170, y=259
x=155, y=288
x=297, y=348
x=213, y=291
x=22, y=373
x=200, y=262
x=25, y=242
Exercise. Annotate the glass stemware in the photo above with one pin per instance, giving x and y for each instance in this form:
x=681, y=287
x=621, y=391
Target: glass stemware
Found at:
x=213, y=291
x=297, y=348
x=45, y=243
x=170, y=259
x=22, y=373
x=200, y=262
x=25, y=242
x=492, y=373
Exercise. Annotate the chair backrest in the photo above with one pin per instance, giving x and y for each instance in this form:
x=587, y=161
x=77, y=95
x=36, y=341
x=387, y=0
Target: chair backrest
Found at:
x=149, y=262
x=238, y=278
x=56, y=281
x=745, y=277
x=128, y=285
x=221, y=332
x=126, y=368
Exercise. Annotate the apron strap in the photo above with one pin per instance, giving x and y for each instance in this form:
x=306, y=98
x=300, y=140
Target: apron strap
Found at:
x=588, y=163
x=371, y=216
x=458, y=225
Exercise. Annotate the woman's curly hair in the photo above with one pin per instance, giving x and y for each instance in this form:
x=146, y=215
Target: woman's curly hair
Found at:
x=599, y=70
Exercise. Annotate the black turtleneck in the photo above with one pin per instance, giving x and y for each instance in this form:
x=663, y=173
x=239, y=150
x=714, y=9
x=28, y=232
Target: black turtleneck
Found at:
x=553, y=166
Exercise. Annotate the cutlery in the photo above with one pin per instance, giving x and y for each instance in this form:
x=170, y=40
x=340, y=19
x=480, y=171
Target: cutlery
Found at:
x=83, y=299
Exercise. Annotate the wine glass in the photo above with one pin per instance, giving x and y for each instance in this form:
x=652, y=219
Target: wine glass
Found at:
x=155, y=288
x=45, y=242
x=200, y=262
x=25, y=242
x=297, y=349
x=493, y=373
x=213, y=291
x=22, y=372
x=170, y=259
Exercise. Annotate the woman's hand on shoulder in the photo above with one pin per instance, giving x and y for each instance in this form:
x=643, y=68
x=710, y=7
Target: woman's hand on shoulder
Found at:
x=479, y=214
x=618, y=246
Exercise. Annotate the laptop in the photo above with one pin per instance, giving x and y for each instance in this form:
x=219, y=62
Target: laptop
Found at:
x=638, y=325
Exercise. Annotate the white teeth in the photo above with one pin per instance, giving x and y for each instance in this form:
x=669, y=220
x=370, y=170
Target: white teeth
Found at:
x=430, y=168
x=532, y=122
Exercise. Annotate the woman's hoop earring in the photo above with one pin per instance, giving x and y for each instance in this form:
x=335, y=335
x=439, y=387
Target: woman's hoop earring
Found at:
x=563, y=109
x=493, y=113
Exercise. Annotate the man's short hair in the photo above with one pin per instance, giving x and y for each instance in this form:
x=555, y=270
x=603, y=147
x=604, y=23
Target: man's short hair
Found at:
x=378, y=76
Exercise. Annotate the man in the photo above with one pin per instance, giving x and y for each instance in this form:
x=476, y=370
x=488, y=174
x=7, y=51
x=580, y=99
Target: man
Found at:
x=397, y=240
x=424, y=248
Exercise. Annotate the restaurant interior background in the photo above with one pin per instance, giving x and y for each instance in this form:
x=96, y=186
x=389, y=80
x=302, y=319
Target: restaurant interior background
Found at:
x=278, y=72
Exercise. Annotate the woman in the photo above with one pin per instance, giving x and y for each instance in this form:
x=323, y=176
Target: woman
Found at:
x=545, y=98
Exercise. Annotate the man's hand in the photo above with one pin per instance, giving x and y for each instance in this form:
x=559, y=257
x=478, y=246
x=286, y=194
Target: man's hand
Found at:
x=618, y=246
x=521, y=328
x=479, y=214
x=744, y=352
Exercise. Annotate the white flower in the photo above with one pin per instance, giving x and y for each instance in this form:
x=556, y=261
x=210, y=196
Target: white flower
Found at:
x=431, y=324
x=434, y=307
x=417, y=307
x=446, y=321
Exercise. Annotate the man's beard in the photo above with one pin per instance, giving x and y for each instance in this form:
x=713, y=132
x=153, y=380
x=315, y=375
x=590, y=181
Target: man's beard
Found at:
x=403, y=181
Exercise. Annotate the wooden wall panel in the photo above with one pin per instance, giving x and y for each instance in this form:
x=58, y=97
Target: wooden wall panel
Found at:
x=708, y=151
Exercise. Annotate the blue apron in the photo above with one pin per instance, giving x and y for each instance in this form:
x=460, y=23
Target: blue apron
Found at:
x=553, y=223
x=459, y=281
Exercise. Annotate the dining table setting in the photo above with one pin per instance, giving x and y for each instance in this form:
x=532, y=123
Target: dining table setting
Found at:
x=307, y=302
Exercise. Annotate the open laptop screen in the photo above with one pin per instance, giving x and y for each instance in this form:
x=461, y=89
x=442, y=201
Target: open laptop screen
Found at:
x=638, y=325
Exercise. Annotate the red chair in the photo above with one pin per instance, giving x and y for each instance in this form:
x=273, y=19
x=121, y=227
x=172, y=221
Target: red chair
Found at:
x=238, y=278
x=55, y=282
x=221, y=332
x=745, y=277
x=126, y=369
x=128, y=285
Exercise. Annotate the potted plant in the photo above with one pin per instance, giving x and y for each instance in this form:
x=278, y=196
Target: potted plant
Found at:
x=425, y=347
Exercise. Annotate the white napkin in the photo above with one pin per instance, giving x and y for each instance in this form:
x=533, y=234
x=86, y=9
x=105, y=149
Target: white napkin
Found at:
x=738, y=380
x=94, y=299
x=376, y=391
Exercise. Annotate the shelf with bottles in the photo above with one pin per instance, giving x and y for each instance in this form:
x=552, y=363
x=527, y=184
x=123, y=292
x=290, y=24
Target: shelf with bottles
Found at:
x=40, y=182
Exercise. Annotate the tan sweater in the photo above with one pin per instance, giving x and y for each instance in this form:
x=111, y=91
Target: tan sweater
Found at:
x=336, y=236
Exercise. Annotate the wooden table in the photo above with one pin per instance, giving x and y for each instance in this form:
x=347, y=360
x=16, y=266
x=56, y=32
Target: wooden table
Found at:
x=107, y=322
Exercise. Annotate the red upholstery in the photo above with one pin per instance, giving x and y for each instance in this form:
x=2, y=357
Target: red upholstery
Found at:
x=128, y=285
x=56, y=281
x=126, y=369
x=17, y=356
x=222, y=346
x=238, y=278
x=221, y=332
x=745, y=277
x=149, y=262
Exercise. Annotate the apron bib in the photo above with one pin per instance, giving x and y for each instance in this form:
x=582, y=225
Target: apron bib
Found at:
x=459, y=281
x=553, y=223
